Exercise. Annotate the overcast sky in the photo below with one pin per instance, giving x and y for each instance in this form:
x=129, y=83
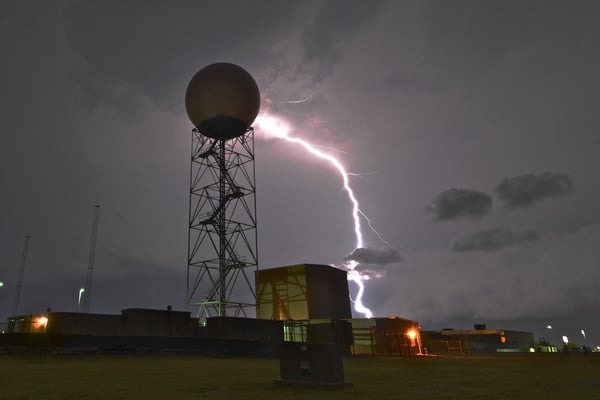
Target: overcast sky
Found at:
x=475, y=125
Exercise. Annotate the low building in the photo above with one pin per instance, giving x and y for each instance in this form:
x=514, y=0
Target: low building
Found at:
x=476, y=341
x=131, y=322
x=313, y=300
x=141, y=331
x=373, y=336
x=27, y=324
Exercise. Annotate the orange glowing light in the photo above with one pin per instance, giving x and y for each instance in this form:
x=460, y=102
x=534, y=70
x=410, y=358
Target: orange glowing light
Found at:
x=503, y=339
x=40, y=322
x=412, y=334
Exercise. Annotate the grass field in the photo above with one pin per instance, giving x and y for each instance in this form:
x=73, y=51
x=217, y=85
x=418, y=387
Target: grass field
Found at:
x=526, y=376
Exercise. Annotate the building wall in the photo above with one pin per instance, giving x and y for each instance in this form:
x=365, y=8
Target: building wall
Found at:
x=267, y=332
x=300, y=292
x=479, y=341
x=328, y=295
x=83, y=324
x=522, y=341
x=397, y=336
x=244, y=328
x=282, y=293
x=131, y=322
x=27, y=324
x=384, y=336
x=145, y=322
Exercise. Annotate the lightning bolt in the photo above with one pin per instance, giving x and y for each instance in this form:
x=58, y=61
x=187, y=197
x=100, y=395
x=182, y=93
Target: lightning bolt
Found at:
x=300, y=101
x=272, y=126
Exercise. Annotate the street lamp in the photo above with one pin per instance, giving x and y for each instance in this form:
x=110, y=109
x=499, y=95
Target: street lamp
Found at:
x=584, y=338
x=79, y=298
x=548, y=329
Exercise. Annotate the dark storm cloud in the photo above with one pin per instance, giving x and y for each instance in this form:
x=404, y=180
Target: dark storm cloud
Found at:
x=151, y=48
x=456, y=203
x=464, y=39
x=525, y=190
x=334, y=23
x=493, y=240
x=371, y=256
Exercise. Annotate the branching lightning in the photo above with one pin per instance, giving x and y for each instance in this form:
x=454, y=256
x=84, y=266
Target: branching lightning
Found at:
x=272, y=126
x=373, y=228
x=299, y=101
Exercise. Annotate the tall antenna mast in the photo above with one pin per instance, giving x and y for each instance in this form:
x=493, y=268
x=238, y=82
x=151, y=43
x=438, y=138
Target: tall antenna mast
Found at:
x=15, y=307
x=87, y=293
x=222, y=100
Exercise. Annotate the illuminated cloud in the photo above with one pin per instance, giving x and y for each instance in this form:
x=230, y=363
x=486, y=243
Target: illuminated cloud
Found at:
x=525, y=190
x=493, y=240
x=456, y=203
x=371, y=256
x=368, y=272
x=333, y=22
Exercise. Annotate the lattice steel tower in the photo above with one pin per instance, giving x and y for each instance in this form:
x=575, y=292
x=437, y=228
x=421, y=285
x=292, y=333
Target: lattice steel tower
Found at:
x=222, y=101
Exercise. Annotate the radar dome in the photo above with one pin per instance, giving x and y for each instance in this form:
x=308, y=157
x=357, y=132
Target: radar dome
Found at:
x=222, y=100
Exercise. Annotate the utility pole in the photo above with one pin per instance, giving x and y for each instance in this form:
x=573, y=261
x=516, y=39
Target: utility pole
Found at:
x=87, y=293
x=15, y=306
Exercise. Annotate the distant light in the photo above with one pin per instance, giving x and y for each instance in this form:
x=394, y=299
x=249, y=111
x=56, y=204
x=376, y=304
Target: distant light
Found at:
x=549, y=327
x=79, y=298
x=40, y=322
x=583, y=333
x=565, y=339
x=532, y=350
x=1, y=283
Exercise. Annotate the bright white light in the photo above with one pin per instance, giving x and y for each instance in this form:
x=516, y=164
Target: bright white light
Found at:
x=583, y=333
x=279, y=128
x=565, y=339
x=355, y=277
x=549, y=327
x=80, y=294
x=271, y=125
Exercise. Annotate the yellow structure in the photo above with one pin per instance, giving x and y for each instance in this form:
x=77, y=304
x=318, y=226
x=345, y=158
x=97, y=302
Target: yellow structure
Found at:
x=303, y=291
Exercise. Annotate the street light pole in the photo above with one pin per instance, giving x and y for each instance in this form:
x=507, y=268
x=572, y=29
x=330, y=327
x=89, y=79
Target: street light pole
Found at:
x=565, y=340
x=548, y=329
x=15, y=306
x=584, y=338
x=79, y=298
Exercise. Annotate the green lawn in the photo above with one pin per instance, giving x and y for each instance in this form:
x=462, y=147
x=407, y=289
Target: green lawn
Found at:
x=535, y=376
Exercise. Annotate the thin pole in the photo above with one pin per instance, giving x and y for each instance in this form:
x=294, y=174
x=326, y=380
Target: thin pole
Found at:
x=188, y=294
x=222, y=231
x=15, y=307
x=87, y=294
